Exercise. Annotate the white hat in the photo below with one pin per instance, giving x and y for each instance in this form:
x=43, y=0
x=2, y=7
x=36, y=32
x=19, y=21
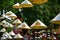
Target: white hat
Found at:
x=17, y=21
x=26, y=3
x=18, y=36
x=12, y=33
x=7, y=24
x=23, y=26
x=3, y=30
x=6, y=35
x=9, y=13
x=56, y=19
x=17, y=4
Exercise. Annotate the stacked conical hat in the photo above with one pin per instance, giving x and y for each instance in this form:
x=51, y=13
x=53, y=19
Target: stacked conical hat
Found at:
x=3, y=22
x=5, y=16
x=13, y=16
x=3, y=30
x=1, y=17
x=9, y=13
x=26, y=3
x=3, y=38
x=56, y=20
x=12, y=33
x=38, y=25
x=38, y=1
x=23, y=26
x=17, y=6
x=6, y=35
x=17, y=21
x=18, y=36
x=6, y=24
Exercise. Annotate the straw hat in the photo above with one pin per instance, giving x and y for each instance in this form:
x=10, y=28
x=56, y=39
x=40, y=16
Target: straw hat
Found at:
x=18, y=36
x=3, y=38
x=38, y=25
x=12, y=33
x=17, y=21
x=13, y=16
x=38, y=1
x=17, y=6
x=3, y=30
x=26, y=3
x=6, y=35
x=23, y=26
x=2, y=18
x=9, y=13
x=56, y=20
x=6, y=24
x=3, y=22
x=5, y=16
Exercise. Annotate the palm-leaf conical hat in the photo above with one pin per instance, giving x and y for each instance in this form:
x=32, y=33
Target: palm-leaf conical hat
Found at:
x=17, y=21
x=38, y=1
x=18, y=36
x=3, y=30
x=56, y=20
x=6, y=35
x=12, y=33
x=26, y=4
x=38, y=25
x=23, y=26
x=17, y=6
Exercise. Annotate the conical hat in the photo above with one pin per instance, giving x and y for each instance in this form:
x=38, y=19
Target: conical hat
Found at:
x=23, y=26
x=3, y=37
x=56, y=20
x=17, y=6
x=38, y=25
x=6, y=35
x=3, y=14
x=3, y=22
x=17, y=21
x=38, y=1
x=6, y=16
x=3, y=30
x=12, y=33
x=12, y=16
x=18, y=36
x=7, y=24
x=2, y=17
x=9, y=13
x=26, y=3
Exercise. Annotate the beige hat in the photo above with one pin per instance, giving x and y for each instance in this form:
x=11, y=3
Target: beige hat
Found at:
x=6, y=24
x=38, y=25
x=6, y=35
x=17, y=6
x=18, y=36
x=26, y=3
x=13, y=16
x=17, y=21
x=56, y=20
x=9, y=13
x=12, y=33
x=3, y=30
x=23, y=26
x=39, y=1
